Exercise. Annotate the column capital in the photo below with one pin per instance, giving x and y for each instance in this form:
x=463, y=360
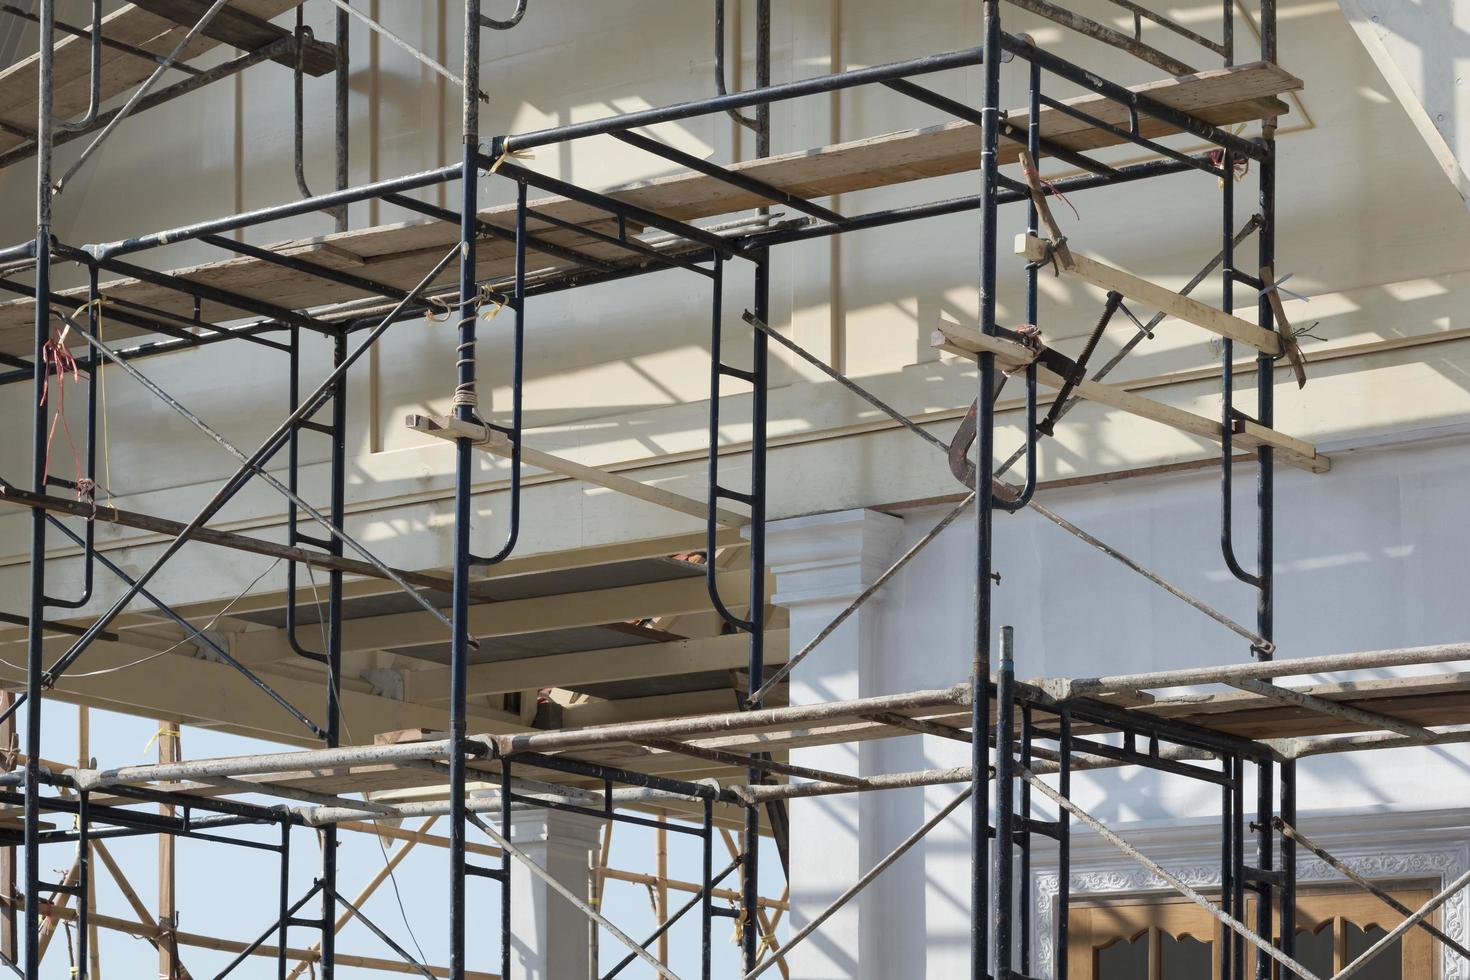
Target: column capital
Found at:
x=824, y=558
x=557, y=828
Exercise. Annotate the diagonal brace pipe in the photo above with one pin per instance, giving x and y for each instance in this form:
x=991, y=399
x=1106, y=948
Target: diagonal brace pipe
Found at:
x=862, y=883
x=1174, y=882
x=659, y=969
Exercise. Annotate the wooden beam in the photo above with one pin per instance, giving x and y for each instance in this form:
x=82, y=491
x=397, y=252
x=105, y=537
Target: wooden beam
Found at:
x=168, y=912
x=498, y=444
x=649, y=708
x=661, y=862
x=570, y=670
x=129, y=893
x=595, y=607
x=1164, y=300
x=227, y=539
x=121, y=70
x=968, y=342
x=245, y=31
x=85, y=760
x=677, y=884
x=200, y=692
x=56, y=907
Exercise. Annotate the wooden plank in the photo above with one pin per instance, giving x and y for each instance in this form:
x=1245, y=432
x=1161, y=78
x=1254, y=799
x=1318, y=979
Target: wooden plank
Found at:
x=121, y=71
x=1221, y=96
x=169, y=966
x=513, y=617
x=1181, y=307
x=677, y=657
x=968, y=342
x=399, y=254
x=498, y=444
x=243, y=30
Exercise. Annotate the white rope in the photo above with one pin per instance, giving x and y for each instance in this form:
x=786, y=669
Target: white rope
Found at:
x=154, y=656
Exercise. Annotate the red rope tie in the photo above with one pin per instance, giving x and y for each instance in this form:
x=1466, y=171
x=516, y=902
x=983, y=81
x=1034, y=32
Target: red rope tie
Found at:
x=55, y=357
x=1240, y=165
x=1055, y=191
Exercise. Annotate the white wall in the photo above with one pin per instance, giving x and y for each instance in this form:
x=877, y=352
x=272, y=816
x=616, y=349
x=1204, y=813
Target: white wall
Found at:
x=1369, y=226
x=1372, y=556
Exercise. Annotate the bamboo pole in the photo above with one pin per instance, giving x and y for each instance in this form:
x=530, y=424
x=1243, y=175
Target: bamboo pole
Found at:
x=168, y=921
x=661, y=861
x=595, y=885
x=58, y=907
x=145, y=931
x=84, y=758
x=140, y=909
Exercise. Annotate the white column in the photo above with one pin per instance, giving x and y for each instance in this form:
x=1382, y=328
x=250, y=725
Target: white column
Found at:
x=820, y=565
x=549, y=935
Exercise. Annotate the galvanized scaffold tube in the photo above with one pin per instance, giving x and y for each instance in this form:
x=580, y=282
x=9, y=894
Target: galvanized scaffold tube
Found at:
x=464, y=410
x=35, y=668
x=980, y=692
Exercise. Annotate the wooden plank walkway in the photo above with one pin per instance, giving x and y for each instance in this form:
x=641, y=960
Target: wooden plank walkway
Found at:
x=400, y=254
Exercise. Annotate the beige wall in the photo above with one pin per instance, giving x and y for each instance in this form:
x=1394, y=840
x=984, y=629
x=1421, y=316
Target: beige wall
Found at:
x=1372, y=230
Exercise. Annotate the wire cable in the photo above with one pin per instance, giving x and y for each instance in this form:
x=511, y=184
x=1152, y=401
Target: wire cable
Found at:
x=154, y=656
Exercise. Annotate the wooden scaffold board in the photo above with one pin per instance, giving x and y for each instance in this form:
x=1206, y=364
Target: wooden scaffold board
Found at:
x=398, y=255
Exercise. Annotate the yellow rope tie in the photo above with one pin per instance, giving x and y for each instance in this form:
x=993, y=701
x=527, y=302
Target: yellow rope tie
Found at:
x=165, y=731
x=513, y=154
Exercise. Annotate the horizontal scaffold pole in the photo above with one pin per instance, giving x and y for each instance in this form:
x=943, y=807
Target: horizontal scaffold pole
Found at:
x=1063, y=688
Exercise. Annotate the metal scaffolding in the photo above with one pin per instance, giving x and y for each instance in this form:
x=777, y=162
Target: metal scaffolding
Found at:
x=1026, y=739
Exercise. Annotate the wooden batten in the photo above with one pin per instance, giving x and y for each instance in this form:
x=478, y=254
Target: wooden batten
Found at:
x=969, y=343
x=496, y=443
x=1181, y=307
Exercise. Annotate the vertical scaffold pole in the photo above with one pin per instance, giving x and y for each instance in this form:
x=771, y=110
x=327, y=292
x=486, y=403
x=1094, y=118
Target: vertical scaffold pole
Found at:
x=1005, y=798
x=338, y=492
x=1064, y=845
x=283, y=899
x=1288, y=863
x=37, y=607
x=1266, y=517
x=505, y=869
x=706, y=898
x=464, y=409
x=1238, y=860
x=1227, y=862
x=84, y=883
x=1023, y=840
x=984, y=500
x=342, y=90
x=750, y=893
